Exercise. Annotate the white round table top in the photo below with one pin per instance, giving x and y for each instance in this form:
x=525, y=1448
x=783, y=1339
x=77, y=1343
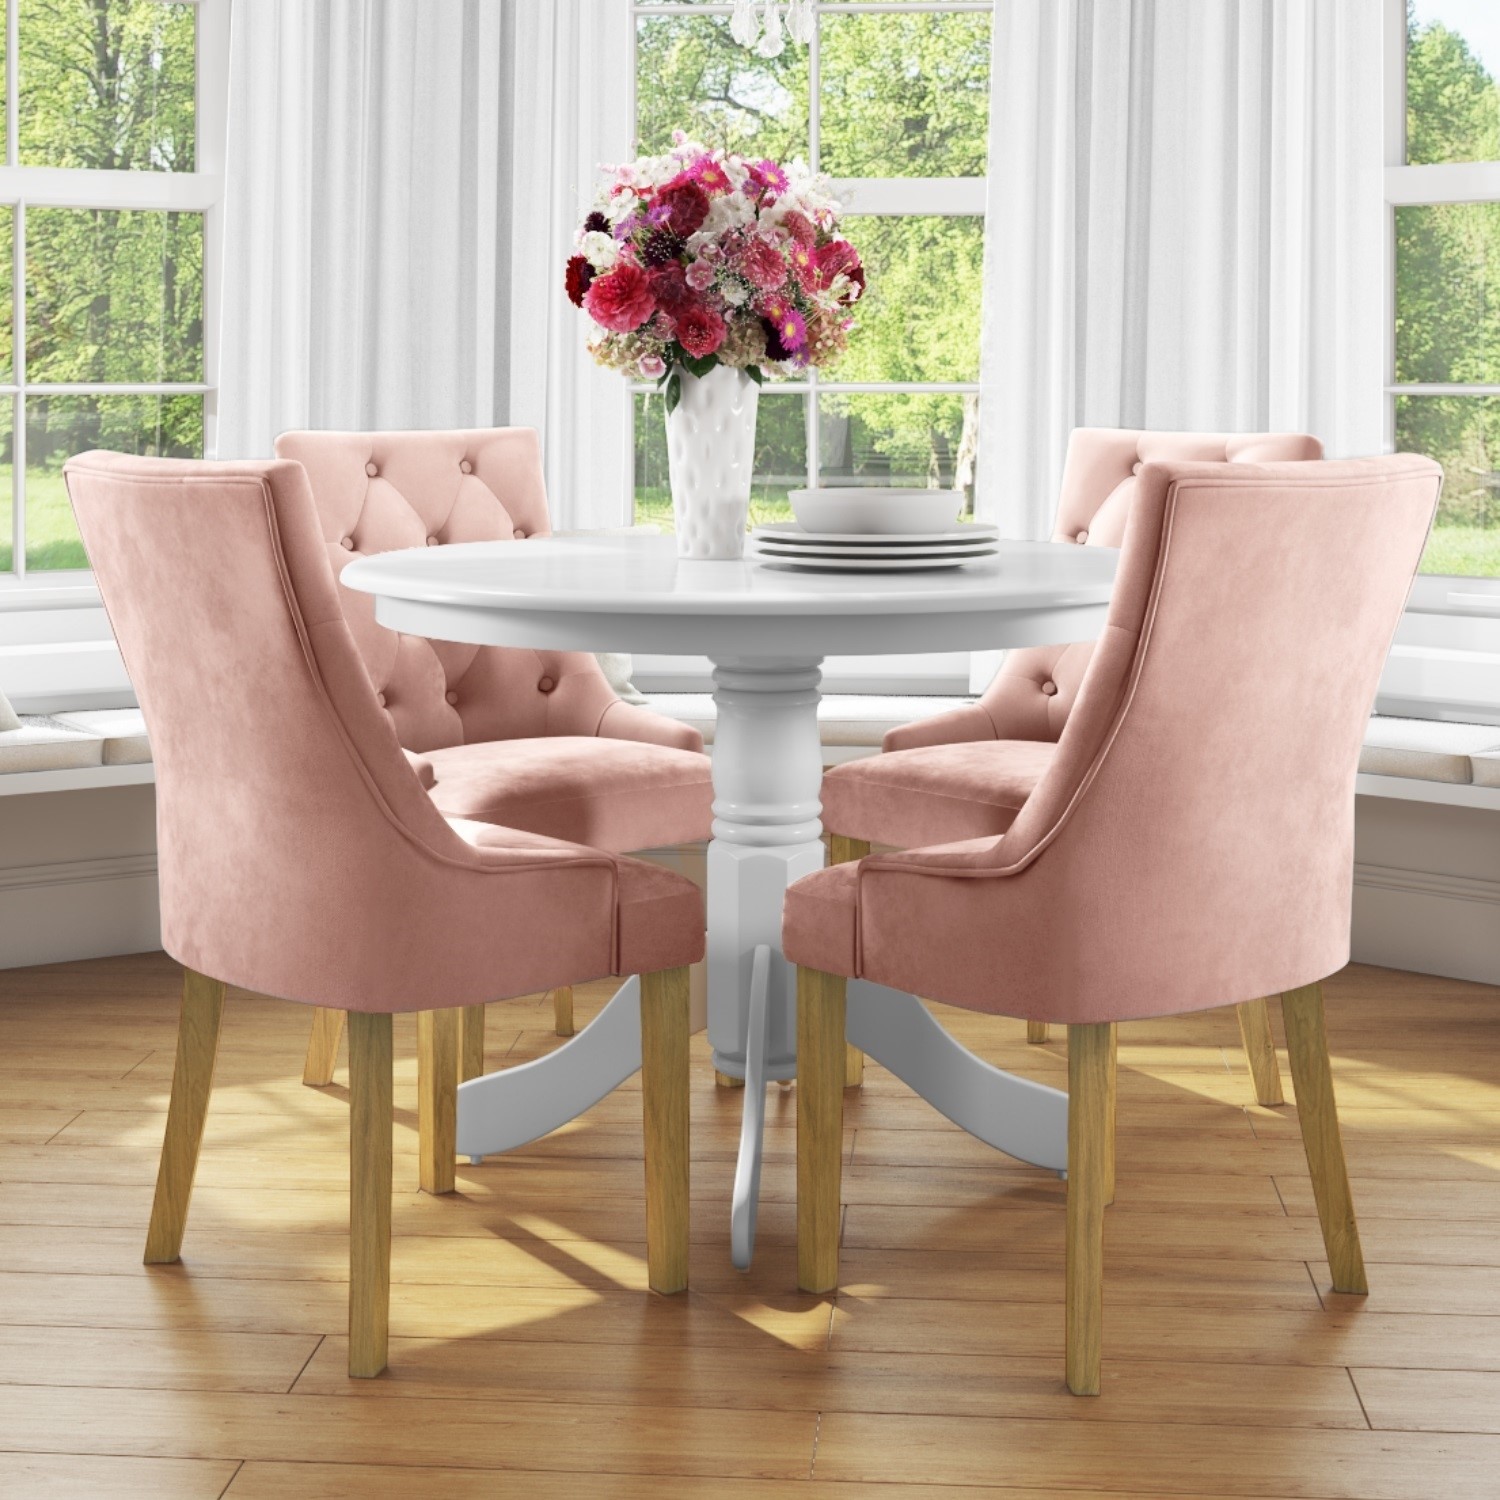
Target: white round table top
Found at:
x=633, y=593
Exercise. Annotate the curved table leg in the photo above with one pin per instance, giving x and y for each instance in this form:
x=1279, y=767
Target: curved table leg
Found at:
x=1023, y=1119
x=746, y=1203
x=507, y=1109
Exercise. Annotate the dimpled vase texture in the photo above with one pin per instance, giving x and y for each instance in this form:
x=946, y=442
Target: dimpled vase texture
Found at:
x=711, y=453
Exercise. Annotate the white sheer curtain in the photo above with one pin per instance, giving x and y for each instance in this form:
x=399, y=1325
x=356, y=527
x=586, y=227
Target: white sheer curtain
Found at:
x=1184, y=229
x=402, y=185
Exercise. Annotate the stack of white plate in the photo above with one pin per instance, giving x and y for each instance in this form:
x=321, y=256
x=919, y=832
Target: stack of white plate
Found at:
x=784, y=544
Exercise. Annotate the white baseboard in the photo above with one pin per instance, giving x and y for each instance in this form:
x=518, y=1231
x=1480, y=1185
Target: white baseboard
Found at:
x=80, y=908
x=1431, y=924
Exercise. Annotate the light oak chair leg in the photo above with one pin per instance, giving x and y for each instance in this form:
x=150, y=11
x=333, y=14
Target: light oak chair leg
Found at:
x=665, y=1023
x=370, y=1104
x=322, y=1047
x=437, y=1098
x=1036, y=1032
x=471, y=1044
x=1260, y=1049
x=1112, y=1090
x=820, y=1126
x=842, y=851
x=198, y=1027
x=562, y=1009
x=1089, y=1048
x=1312, y=1079
x=727, y=1081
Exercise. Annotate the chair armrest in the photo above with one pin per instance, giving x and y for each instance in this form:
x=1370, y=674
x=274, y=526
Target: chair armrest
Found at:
x=957, y=726
x=624, y=721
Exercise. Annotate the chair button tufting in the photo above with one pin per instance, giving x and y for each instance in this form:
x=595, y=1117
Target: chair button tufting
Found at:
x=451, y=697
x=347, y=543
x=1081, y=538
x=432, y=541
x=465, y=467
x=545, y=685
x=519, y=535
x=380, y=699
x=371, y=469
x=1049, y=689
x=1135, y=468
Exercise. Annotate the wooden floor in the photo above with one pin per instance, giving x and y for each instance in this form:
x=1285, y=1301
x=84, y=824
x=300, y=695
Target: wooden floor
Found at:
x=525, y=1341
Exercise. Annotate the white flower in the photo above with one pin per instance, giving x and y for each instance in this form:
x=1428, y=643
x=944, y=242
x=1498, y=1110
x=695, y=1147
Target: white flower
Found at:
x=599, y=249
x=623, y=206
x=734, y=292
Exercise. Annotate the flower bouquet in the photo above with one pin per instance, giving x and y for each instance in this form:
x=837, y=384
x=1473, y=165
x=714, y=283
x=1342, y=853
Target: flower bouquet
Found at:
x=707, y=272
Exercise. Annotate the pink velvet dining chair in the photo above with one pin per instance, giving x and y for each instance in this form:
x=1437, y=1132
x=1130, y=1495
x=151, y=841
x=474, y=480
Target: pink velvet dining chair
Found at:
x=1189, y=845
x=533, y=740
x=966, y=773
x=300, y=856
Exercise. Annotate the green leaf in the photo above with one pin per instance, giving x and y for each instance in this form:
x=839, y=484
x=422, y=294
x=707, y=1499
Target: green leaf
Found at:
x=699, y=367
x=674, y=391
x=754, y=372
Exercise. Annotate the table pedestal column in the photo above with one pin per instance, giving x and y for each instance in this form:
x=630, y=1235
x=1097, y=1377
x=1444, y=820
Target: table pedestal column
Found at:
x=768, y=772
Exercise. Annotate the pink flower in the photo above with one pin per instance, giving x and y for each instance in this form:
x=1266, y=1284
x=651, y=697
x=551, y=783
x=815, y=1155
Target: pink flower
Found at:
x=786, y=329
x=700, y=330
x=668, y=286
x=768, y=176
x=804, y=267
x=652, y=367
x=836, y=258
x=761, y=264
x=620, y=301
x=700, y=275
x=800, y=227
x=709, y=175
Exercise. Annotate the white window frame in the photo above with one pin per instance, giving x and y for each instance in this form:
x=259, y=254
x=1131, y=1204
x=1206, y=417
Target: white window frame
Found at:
x=56, y=650
x=861, y=197
x=1446, y=660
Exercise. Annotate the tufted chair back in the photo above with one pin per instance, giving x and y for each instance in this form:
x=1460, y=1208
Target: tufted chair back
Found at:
x=377, y=491
x=1032, y=694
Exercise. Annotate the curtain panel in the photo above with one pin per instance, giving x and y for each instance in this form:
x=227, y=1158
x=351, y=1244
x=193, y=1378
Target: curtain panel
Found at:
x=1184, y=230
x=403, y=183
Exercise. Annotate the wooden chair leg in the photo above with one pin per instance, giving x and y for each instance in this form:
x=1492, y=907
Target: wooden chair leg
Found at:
x=820, y=1127
x=1036, y=1032
x=842, y=851
x=471, y=1044
x=727, y=1081
x=437, y=1098
x=665, y=1023
x=1312, y=1079
x=1089, y=1048
x=1260, y=1049
x=322, y=1047
x=198, y=1026
x=562, y=1010
x=1112, y=1092
x=370, y=1104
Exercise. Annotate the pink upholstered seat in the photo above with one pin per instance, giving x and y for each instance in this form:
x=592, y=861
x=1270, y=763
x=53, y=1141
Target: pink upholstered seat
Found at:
x=924, y=798
x=489, y=718
x=1190, y=844
x=299, y=854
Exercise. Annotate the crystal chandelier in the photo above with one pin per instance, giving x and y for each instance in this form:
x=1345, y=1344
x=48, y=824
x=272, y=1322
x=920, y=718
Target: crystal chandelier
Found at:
x=760, y=24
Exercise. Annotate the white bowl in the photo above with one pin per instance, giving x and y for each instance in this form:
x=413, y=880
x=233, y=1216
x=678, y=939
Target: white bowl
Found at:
x=854, y=512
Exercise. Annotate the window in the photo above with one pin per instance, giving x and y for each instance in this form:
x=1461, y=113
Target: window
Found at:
x=108, y=196
x=892, y=101
x=1443, y=396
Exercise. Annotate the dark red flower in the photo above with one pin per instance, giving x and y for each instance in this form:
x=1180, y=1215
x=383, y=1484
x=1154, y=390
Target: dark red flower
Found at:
x=621, y=300
x=660, y=245
x=669, y=287
x=596, y=223
x=577, y=278
x=686, y=204
x=700, y=330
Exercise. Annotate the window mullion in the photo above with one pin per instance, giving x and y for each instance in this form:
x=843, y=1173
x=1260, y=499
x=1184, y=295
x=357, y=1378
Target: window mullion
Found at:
x=18, y=374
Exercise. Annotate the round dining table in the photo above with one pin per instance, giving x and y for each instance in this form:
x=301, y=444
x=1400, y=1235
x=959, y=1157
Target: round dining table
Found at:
x=767, y=629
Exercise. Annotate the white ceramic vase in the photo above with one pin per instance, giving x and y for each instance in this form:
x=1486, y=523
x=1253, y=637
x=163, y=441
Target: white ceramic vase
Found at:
x=711, y=455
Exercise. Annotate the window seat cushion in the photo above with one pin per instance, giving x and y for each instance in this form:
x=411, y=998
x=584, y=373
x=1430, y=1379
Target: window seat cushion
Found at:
x=65, y=742
x=1486, y=768
x=846, y=719
x=1426, y=749
x=123, y=731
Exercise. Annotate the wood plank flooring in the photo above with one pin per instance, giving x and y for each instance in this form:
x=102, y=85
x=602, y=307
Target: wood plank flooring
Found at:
x=528, y=1358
